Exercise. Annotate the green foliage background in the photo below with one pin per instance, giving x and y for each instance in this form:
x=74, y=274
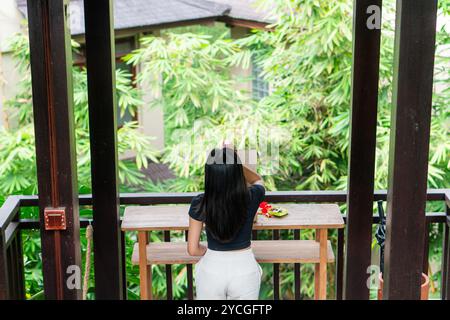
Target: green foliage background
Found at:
x=306, y=59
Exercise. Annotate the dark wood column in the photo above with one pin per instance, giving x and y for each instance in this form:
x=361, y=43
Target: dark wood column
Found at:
x=103, y=135
x=445, y=264
x=408, y=157
x=51, y=74
x=4, y=276
x=363, y=121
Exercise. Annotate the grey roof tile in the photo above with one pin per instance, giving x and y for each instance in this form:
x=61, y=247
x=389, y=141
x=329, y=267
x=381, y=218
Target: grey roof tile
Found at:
x=246, y=10
x=148, y=13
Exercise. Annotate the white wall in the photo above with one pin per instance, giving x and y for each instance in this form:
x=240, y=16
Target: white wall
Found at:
x=239, y=73
x=151, y=119
x=10, y=23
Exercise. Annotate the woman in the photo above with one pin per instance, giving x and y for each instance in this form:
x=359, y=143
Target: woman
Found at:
x=228, y=269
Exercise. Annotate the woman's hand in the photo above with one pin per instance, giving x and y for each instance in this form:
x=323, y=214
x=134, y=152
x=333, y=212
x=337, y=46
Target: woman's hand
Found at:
x=228, y=144
x=251, y=177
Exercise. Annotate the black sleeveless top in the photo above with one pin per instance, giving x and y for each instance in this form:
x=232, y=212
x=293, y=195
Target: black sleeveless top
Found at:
x=242, y=238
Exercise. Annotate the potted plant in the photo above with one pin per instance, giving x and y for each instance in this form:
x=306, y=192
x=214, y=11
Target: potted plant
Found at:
x=380, y=235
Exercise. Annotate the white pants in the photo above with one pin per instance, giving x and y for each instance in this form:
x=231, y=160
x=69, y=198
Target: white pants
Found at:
x=228, y=275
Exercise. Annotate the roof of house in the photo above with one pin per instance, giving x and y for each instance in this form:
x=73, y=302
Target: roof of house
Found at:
x=158, y=172
x=153, y=14
x=245, y=10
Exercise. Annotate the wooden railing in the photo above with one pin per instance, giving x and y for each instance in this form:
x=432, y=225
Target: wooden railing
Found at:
x=11, y=256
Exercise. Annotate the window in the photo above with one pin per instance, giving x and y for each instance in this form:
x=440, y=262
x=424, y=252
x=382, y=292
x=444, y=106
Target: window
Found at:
x=260, y=87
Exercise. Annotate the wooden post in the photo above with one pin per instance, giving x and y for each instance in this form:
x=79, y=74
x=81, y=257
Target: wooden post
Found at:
x=51, y=63
x=103, y=137
x=297, y=272
x=4, y=276
x=169, y=286
x=445, y=269
x=408, y=158
x=145, y=270
x=276, y=270
x=426, y=249
x=190, y=275
x=323, y=240
x=20, y=267
x=365, y=74
x=339, y=277
x=320, y=269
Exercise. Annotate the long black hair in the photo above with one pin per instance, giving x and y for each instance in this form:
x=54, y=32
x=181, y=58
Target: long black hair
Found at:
x=224, y=204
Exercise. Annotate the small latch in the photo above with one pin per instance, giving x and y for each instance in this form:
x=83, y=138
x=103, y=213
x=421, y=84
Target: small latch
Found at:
x=55, y=218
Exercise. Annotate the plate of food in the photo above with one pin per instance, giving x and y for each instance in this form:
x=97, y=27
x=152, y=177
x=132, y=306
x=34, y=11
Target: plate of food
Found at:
x=271, y=211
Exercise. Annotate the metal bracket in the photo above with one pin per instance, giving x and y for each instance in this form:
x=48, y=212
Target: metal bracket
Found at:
x=55, y=218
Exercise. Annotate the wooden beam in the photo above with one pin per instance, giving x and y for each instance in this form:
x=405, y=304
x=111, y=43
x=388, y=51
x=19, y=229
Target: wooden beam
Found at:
x=363, y=121
x=409, y=145
x=4, y=275
x=103, y=137
x=148, y=198
x=339, y=277
x=9, y=233
x=250, y=24
x=51, y=63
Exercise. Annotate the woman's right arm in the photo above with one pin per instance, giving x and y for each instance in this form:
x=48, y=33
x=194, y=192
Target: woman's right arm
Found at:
x=195, y=229
x=251, y=177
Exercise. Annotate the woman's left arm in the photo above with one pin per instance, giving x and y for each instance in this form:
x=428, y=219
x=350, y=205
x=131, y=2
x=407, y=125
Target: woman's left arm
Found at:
x=194, y=246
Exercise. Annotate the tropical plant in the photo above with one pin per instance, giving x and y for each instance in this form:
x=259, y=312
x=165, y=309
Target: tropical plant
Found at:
x=201, y=100
x=17, y=151
x=307, y=60
x=17, y=159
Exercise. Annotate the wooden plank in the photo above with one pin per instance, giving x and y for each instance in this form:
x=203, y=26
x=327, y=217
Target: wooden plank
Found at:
x=323, y=242
x=363, y=124
x=145, y=270
x=431, y=217
x=100, y=58
x=51, y=63
x=301, y=216
x=266, y=251
x=8, y=211
x=414, y=52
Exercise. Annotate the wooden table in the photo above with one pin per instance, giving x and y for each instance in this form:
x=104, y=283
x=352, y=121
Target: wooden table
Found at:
x=320, y=217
